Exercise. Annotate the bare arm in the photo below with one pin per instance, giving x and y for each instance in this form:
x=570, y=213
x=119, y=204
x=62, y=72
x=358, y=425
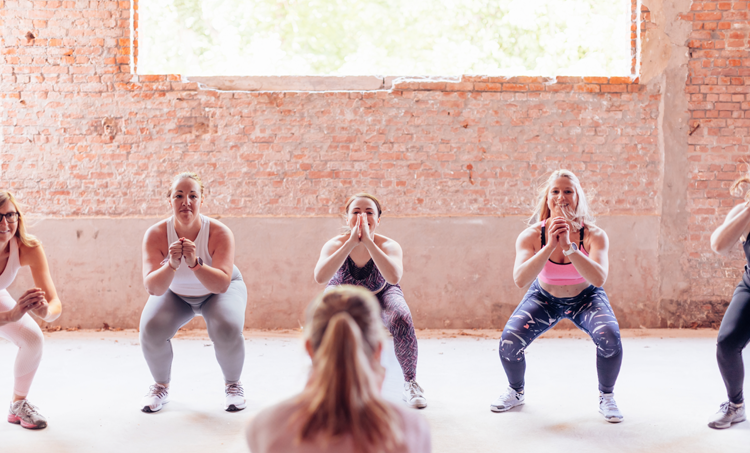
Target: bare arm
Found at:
x=50, y=307
x=332, y=257
x=735, y=226
x=216, y=277
x=595, y=267
x=388, y=257
x=530, y=263
x=157, y=276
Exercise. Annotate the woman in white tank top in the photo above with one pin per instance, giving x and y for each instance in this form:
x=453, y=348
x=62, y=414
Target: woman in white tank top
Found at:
x=17, y=249
x=188, y=270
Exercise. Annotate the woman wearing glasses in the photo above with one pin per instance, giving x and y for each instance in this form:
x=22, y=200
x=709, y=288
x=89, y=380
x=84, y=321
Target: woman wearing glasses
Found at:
x=18, y=248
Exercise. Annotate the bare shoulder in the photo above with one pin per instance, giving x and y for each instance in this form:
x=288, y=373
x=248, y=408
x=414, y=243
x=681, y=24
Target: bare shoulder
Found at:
x=156, y=236
x=595, y=237
x=736, y=209
x=530, y=235
x=337, y=241
x=30, y=255
x=158, y=229
x=384, y=241
x=219, y=229
x=595, y=232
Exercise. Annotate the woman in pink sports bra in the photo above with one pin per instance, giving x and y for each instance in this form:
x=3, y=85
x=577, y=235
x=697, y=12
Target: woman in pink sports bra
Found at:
x=563, y=255
x=17, y=249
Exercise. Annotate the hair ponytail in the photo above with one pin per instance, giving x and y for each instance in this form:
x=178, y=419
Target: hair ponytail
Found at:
x=342, y=396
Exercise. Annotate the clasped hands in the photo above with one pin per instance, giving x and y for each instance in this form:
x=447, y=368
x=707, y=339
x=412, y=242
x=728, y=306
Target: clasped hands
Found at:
x=32, y=300
x=558, y=232
x=360, y=232
x=179, y=249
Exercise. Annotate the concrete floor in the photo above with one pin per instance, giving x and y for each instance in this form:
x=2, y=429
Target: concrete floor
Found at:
x=90, y=383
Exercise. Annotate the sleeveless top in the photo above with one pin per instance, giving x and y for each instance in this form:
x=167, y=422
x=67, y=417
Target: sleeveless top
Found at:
x=368, y=276
x=11, y=268
x=185, y=282
x=561, y=274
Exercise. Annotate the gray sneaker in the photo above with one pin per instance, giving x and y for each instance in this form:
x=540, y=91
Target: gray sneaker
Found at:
x=728, y=414
x=25, y=414
x=235, y=397
x=608, y=407
x=155, y=399
x=414, y=395
x=508, y=401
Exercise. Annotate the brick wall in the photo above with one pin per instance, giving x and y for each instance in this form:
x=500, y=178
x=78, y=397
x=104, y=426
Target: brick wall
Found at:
x=84, y=137
x=80, y=132
x=719, y=90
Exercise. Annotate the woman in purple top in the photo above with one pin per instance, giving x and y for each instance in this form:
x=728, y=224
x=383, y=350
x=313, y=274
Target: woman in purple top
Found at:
x=362, y=258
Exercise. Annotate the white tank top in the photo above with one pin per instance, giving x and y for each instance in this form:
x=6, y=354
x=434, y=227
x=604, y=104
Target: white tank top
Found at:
x=185, y=282
x=11, y=268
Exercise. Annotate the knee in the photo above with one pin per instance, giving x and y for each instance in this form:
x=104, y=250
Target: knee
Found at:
x=225, y=331
x=31, y=339
x=727, y=343
x=511, y=348
x=607, y=340
x=156, y=328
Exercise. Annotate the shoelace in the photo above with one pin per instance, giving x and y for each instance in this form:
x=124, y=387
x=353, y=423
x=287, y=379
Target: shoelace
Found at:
x=157, y=390
x=609, y=403
x=234, y=389
x=27, y=409
x=415, y=389
x=727, y=408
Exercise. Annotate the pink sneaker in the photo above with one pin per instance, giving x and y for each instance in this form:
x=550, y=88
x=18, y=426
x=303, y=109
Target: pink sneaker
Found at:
x=24, y=413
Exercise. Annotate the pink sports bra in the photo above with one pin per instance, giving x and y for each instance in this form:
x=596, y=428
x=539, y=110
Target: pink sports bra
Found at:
x=561, y=274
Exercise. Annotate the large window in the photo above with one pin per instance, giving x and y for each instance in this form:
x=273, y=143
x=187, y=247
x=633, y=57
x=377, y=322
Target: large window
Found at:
x=385, y=37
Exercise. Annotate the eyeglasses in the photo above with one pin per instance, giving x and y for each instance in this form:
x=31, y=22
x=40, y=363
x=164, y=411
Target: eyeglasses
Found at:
x=11, y=217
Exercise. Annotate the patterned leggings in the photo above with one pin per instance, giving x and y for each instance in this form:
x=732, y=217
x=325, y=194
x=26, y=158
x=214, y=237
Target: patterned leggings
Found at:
x=397, y=319
x=539, y=311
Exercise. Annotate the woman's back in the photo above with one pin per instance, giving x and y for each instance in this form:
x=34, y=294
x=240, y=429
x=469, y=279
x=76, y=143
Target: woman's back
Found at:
x=271, y=432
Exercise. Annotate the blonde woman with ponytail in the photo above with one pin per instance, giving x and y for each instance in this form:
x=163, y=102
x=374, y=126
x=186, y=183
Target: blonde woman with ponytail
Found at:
x=18, y=249
x=734, y=333
x=340, y=408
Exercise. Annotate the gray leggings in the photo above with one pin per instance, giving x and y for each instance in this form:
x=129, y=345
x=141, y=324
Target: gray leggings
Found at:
x=224, y=313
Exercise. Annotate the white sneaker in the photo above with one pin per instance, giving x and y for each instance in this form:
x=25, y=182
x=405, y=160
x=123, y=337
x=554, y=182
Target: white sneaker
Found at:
x=608, y=407
x=414, y=395
x=728, y=414
x=155, y=399
x=507, y=401
x=235, y=397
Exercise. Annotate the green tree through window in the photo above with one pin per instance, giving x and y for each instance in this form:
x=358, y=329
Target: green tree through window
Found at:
x=385, y=37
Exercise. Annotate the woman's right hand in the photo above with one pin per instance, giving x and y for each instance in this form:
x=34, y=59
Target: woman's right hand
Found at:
x=555, y=227
x=175, y=254
x=355, y=237
x=31, y=299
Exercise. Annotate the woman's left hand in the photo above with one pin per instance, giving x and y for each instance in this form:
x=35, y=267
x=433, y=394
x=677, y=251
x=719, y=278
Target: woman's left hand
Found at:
x=365, y=229
x=564, y=236
x=41, y=308
x=188, y=251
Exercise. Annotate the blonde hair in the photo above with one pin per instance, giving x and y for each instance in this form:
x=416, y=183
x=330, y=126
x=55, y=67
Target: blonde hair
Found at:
x=342, y=397
x=26, y=239
x=363, y=195
x=184, y=175
x=583, y=211
x=736, y=189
